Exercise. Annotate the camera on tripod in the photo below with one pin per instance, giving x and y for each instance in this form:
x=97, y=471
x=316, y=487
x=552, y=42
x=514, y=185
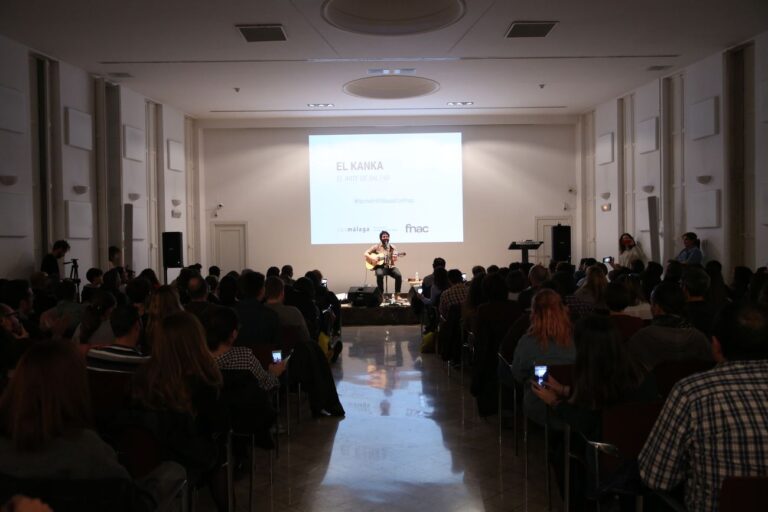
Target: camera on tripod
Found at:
x=74, y=272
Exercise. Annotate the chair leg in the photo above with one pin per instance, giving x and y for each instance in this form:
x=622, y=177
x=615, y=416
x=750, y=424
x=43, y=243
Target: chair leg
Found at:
x=514, y=418
x=498, y=394
x=525, y=447
x=298, y=404
x=546, y=464
x=567, y=469
x=230, y=474
x=252, y=486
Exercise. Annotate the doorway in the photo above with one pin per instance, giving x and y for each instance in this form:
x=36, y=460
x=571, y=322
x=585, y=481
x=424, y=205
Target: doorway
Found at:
x=230, y=247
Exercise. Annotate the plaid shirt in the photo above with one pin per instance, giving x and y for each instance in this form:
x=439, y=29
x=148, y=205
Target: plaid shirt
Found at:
x=714, y=424
x=456, y=294
x=242, y=358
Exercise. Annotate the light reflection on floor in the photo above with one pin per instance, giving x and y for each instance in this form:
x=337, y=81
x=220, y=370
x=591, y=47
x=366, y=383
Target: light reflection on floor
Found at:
x=411, y=441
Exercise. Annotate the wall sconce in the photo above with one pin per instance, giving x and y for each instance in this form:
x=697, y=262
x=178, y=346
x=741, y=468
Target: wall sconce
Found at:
x=704, y=178
x=133, y=196
x=8, y=179
x=648, y=189
x=605, y=195
x=80, y=189
x=175, y=202
x=176, y=214
x=606, y=207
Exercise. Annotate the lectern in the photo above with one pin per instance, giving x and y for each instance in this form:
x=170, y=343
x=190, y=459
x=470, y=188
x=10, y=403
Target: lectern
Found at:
x=525, y=246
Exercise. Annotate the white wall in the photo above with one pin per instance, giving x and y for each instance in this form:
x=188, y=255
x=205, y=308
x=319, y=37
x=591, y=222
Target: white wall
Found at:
x=705, y=156
x=134, y=175
x=761, y=149
x=607, y=223
x=173, y=183
x=17, y=254
x=77, y=167
x=512, y=173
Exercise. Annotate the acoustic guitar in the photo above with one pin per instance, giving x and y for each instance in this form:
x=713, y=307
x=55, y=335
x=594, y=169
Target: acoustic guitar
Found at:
x=380, y=260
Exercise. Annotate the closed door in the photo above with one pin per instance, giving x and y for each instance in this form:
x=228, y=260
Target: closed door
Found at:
x=544, y=233
x=229, y=246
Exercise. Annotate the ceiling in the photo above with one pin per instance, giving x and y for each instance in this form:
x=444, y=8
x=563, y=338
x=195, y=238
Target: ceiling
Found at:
x=189, y=54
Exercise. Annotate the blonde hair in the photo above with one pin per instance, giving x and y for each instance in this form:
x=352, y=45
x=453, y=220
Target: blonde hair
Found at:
x=550, y=319
x=180, y=357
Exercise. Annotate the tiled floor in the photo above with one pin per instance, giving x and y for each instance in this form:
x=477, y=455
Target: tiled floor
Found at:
x=411, y=441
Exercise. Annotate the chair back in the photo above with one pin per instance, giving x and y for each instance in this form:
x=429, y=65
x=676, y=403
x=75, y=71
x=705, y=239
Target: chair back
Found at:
x=110, y=393
x=668, y=373
x=139, y=449
x=449, y=333
x=288, y=337
x=743, y=494
x=627, y=427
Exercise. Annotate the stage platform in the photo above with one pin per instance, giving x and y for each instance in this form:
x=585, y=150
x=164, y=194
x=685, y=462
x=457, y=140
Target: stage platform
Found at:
x=385, y=314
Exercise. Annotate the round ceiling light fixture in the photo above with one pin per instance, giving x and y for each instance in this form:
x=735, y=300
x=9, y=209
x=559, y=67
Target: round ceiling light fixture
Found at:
x=391, y=87
x=393, y=17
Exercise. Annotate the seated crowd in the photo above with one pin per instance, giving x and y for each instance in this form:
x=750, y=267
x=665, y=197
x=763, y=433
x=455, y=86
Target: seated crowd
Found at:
x=616, y=325
x=185, y=363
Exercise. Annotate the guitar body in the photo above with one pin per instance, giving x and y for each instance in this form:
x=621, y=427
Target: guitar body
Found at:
x=380, y=260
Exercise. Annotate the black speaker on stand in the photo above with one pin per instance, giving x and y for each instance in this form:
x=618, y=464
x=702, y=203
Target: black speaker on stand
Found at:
x=173, y=255
x=561, y=243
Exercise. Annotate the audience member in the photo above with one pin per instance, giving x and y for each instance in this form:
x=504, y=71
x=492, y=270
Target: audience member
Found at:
x=629, y=252
x=592, y=291
x=719, y=293
x=198, y=304
x=638, y=305
x=549, y=341
x=162, y=303
x=45, y=420
x=302, y=296
x=178, y=390
x=95, y=328
x=150, y=276
x=691, y=252
x=617, y=300
x=674, y=272
x=258, y=324
x=604, y=375
x=516, y=283
x=713, y=424
x=286, y=274
x=273, y=272
x=537, y=276
x=494, y=318
x=112, y=283
x=426, y=281
x=650, y=278
x=94, y=276
x=455, y=294
x=698, y=310
x=228, y=294
x=123, y=355
x=67, y=310
x=670, y=337
x=115, y=256
x=19, y=296
x=740, y=284
x=214, y=271
x=53, y=262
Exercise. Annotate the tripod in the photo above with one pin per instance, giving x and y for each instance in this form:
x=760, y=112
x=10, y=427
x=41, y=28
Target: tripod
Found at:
x=74, y=274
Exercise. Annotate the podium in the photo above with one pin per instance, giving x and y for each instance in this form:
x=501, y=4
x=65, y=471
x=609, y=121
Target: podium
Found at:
x=525, y=246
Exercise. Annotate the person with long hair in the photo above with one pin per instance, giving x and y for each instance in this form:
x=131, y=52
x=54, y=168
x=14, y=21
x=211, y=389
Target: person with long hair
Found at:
x=45, y=427
x=592, y=290
x=604, y=375
x=163, y=302
x=94, y=329
x=691, y=253
x=629, y=252
x=179, y=389
x=549, y=340
x=638, y=305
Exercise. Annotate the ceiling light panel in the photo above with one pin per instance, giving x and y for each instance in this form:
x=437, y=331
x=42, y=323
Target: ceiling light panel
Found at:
x=530, y=28
x=262, y=33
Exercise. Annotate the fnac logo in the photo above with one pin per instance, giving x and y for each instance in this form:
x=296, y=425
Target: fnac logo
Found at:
x=409, y=228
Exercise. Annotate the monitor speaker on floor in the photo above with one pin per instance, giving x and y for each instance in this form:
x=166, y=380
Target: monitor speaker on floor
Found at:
x=365, y=296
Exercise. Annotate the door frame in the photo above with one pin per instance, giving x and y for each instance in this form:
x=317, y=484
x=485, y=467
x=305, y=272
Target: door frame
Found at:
x=218, y=224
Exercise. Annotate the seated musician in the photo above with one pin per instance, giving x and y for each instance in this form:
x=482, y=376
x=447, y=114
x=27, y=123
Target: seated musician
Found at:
x=382, y=258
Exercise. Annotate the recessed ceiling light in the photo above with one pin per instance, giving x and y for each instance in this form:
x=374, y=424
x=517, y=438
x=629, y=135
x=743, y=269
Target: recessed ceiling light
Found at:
x=319, y=105
x=394, y=71
x=460, y=103
x=262, y=33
